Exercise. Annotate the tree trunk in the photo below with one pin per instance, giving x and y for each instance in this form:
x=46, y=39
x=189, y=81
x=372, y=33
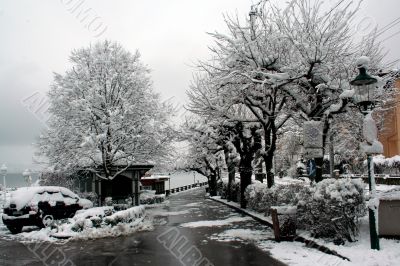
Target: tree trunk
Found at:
x=212, y=184
x=319, y=163
x=231, y=173
x=260, y=176
x=268, y=166
x=246, y=171
x=270, y=147
x=231, y=181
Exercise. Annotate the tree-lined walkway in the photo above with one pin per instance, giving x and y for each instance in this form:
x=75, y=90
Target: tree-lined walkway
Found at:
x=168, y=244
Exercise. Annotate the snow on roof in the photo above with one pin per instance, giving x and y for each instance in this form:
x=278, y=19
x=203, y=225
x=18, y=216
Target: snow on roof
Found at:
x=155, y=177
x=393, y=194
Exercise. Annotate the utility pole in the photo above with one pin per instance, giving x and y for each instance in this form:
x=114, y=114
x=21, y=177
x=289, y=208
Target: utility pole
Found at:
x=331, y=156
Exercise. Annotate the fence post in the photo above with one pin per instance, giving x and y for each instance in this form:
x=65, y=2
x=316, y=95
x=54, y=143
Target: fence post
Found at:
x=275, y=224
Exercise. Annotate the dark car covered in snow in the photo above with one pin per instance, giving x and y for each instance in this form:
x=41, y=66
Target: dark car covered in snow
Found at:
x=40, y=206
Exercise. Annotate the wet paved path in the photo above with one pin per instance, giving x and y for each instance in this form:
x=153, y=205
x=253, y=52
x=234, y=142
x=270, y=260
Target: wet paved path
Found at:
x=156, y=247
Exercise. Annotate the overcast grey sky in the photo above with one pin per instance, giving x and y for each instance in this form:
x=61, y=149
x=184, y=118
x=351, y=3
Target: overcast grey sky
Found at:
x=38, y=36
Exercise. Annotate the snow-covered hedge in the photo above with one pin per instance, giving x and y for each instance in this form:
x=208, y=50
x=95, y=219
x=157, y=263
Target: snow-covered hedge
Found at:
x=92, y=196
x=125, y=216
x=385, y=165
x=222, y=189
x=100, y=222
x=150, y=197
x=333, y=209
x=260, y=198
x=330, y=209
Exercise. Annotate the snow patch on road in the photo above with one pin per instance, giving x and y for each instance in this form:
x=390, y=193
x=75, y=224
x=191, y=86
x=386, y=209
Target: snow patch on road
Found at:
x=211, y=223
x=242, y=234
x=194, y=204
x=170, y=213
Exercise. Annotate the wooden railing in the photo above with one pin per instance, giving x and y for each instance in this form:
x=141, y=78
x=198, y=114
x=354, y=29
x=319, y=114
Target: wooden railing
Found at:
x=183, y=188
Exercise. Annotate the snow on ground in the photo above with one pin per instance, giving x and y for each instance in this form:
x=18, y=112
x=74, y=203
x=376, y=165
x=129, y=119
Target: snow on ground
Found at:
x=291, y=253
x=227, y=221
x=88, y=224
x=296, y=253
x=361, y=254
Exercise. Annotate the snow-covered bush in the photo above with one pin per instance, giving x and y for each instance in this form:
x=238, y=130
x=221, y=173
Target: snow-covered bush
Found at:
x=92, y=196
x=261, y=198
x=108, y=201
x=89, y=218
x=386, y=165
x=333, y=209
x=99, y=217
x=330, y=209
x=125, y=216
x=222, y=189
x=150, y=197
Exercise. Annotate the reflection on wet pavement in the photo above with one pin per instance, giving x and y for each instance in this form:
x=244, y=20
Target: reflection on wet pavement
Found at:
x=212, y=239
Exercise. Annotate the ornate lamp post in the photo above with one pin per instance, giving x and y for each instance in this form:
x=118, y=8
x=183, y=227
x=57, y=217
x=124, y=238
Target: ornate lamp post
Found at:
x=27, y=175
x=364, y=86
x=3, y=171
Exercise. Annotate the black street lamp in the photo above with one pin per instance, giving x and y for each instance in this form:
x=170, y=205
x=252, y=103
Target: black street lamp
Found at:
x=364, y=86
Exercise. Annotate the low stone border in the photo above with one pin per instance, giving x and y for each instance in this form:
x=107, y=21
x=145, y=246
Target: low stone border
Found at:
x=256, y=216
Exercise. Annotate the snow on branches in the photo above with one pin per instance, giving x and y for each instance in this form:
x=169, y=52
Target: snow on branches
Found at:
x=105, y=113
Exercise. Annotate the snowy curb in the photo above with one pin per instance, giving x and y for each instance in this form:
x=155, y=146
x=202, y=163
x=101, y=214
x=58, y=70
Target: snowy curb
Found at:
x=309, y=242
x=256, y=216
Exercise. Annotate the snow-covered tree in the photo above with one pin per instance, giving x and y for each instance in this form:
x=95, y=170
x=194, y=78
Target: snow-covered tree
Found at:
x=245, y=133
x=289, y=149
x=205, y=155
x=280, y=62
x=105, y=114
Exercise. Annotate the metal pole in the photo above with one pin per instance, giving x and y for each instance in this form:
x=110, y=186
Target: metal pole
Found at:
x=331, y=156
x=372, y=219
x=5, y=188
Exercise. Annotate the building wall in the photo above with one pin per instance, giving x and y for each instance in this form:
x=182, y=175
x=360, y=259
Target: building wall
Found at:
x=390, y=135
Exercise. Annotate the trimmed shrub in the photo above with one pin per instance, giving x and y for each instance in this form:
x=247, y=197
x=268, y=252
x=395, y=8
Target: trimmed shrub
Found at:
x=261, y=198
x=150, y=197
x=329, y=209
x=92, y=196
x=222, y=189
x=333, y=209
